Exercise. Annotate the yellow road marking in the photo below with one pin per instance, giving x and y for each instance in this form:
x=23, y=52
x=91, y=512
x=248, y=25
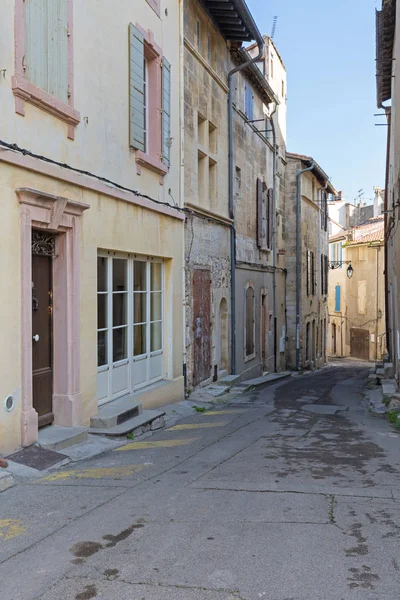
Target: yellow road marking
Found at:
x=184, y=427
x=222, y=412
x=161, y=444
x=11, y=528
x=100, y=473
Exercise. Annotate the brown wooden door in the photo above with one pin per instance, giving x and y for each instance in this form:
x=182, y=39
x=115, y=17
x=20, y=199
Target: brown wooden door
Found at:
x=359, y=343
x=264, y=312
x=42, y=361
x=201, y=325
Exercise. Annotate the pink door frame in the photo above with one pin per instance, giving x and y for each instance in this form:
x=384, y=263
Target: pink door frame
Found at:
x=61, y=216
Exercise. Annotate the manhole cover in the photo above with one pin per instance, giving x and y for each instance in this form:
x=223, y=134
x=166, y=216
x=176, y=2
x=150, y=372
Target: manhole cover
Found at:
x=37, y=458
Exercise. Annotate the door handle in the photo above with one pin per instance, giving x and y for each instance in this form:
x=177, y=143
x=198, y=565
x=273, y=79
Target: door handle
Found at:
x=36, y=338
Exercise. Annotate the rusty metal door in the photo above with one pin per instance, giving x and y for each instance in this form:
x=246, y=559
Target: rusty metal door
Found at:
x=42, y=360
x=359, y=343
x=201, y=325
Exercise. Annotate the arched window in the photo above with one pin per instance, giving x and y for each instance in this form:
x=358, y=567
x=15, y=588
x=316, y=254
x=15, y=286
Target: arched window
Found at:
x=249, y=349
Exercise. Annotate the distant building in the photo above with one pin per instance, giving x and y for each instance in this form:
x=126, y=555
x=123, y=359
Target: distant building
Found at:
x=307, y=189
x=357, y=304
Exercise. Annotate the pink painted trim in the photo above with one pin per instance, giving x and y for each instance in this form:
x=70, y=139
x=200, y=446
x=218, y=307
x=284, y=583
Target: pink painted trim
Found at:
x=84, y=181
x=25, y=91
x=155, y=5
x=151, y=163
x=61, y=215
x=152, y=160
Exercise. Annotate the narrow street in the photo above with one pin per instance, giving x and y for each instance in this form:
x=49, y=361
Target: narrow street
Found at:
x=290, y=493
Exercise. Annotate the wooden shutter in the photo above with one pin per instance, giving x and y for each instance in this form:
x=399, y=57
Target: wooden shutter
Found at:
x=362, y=297
x=46, y=46
x=322, y=268
x=35, y=17
x=57, y=49
x=308, y=278
x=270, y=219
x=325, y=211
x=136, y=89
x=326, y=274
x=166, y=111
x=337, y=298
x=261, y=216
x=313, y=279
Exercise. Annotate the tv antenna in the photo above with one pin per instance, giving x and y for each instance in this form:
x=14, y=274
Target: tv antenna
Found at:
x=274, y=22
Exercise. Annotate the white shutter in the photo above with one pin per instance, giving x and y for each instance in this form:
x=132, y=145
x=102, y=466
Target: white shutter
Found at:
x=136, y=88
x=166, y=111
x=57, y=51
x=36, y=65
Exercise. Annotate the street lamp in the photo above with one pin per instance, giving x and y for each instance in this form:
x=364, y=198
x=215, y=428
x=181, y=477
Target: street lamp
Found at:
x=336, y=264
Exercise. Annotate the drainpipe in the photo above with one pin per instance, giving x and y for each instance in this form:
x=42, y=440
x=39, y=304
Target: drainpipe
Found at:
x=182, y=189
x=298, y=261
x=377, y=303
x=274, y=237
x=260, y=42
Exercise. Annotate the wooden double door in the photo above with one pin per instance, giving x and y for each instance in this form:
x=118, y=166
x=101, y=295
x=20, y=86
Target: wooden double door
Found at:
x=42, y=343
x=359, y=343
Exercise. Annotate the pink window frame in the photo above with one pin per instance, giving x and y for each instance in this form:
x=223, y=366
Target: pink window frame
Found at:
x=25, y=91
x=155, y=5
x=152, y=159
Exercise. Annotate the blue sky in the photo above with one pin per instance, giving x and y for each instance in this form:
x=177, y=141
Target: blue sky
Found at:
x=328, y=47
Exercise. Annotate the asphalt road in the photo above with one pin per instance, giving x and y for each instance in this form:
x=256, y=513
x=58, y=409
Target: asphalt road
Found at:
x=290, y=493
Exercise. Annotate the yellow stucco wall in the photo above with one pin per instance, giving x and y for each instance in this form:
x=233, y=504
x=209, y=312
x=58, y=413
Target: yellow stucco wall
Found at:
x=109, y=224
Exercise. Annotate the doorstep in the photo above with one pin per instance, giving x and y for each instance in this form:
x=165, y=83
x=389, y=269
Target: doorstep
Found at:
x=55, y=437
x=265, y=380
x=147, y=420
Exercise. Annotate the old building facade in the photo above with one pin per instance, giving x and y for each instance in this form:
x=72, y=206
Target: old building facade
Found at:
x=90, y=187
x=230, y=312
x=357, y=303
x=307, y=189
x=388, y=100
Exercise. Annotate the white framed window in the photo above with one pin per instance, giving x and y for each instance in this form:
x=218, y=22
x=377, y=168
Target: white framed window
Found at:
x=250, y=323
x=130, y=320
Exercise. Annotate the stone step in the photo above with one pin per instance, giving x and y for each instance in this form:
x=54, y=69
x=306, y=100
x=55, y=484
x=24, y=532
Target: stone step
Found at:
x=115, y=413
x=229, y=380
x=55, y=437
x=389, y=387
x=389, y=370
x=146, y=421
x=6, y=480
x=265, y=379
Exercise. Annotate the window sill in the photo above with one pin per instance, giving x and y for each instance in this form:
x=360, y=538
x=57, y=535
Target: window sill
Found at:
x=250, y=357
x=25, y=91
x=150, y=163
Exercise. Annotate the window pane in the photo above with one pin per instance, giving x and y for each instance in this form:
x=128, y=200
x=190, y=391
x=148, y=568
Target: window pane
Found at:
x=101, y=311
x=102, y=348
x=102, y=274
x=119, y=274
x=139, y=340
x=120, y=344
x=155, y=306
x=156, y=337
x=156, y=277
x=119, y=309
x=139, y=307
x=139, y=284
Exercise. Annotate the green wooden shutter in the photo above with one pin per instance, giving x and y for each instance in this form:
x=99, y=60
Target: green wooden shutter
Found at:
x=46, y=46
x=57, y=49
x=36, y=55
x=137, y=103
x=166, y=111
